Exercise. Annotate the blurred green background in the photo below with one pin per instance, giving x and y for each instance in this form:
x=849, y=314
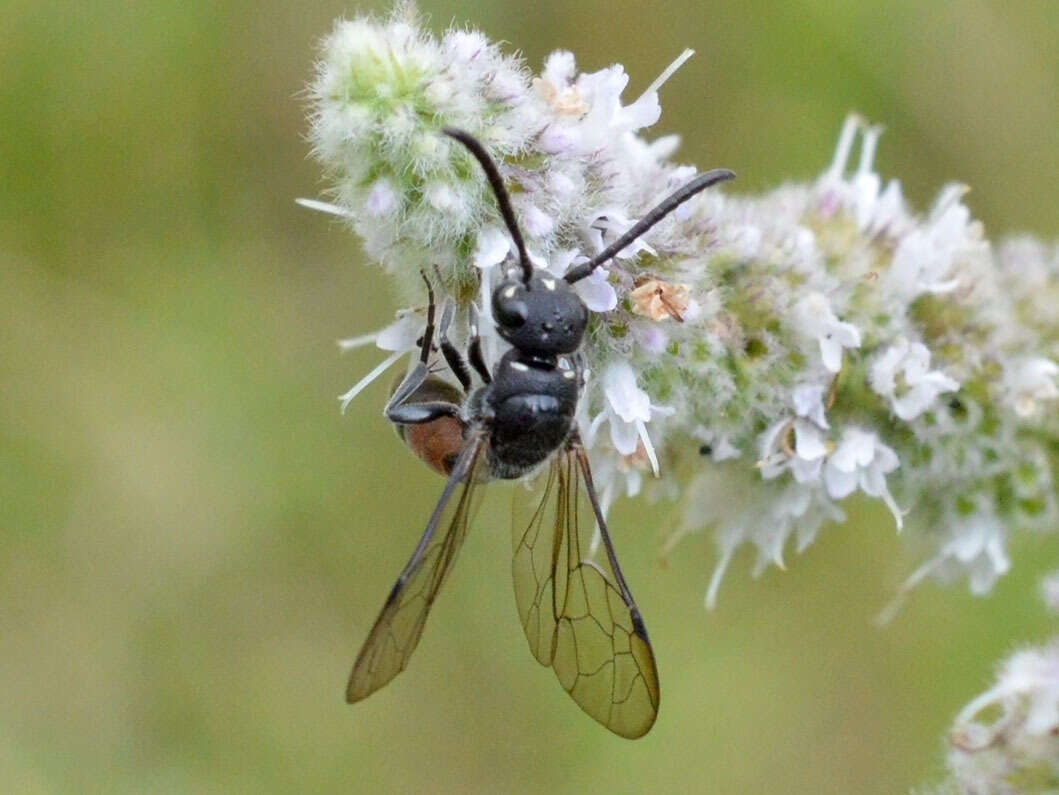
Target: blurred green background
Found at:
x=194, y=542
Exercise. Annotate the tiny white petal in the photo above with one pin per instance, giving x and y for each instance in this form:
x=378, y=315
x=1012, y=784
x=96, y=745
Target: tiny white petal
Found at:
x=629, y=402
x=349, y=343
x=493, y=247
x=902, y=375
x=378, y=370
x=625, y=436
x=641, y=430
x=816, y=319
x=400, y=335
x=808, y=400
x=808, y=441
x=596, y=292
x=324, y=207
x=840, y=483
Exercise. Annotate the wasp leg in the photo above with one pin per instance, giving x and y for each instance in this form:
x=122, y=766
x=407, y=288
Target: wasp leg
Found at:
x=417, y=413
x=419, y=373
x=428, y=332
x=474, y=350
x=452, y=356
x=398, y=409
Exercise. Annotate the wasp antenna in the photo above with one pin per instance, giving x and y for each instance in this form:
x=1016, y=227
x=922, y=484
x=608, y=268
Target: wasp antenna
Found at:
x=430, y=287
x=664, y=208
x=475, y=147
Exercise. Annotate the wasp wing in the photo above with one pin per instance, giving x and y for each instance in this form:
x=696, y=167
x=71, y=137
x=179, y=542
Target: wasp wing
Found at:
x=396, y=632
x=579, y=616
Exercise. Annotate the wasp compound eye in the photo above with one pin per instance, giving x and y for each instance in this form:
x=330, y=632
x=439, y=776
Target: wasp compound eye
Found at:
x=509, y=309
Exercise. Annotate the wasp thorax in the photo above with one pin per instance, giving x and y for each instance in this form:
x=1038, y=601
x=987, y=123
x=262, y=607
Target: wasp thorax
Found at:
x=543, y=315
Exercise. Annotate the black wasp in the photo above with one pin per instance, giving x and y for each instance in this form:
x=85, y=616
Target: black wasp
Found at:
x=579, y=616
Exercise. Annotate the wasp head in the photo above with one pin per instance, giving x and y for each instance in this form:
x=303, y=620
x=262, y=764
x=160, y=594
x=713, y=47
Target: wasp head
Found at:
x=541, y=314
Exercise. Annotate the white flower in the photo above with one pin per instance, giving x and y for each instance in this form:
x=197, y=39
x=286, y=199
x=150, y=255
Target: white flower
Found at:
x=588, y=113
x=861, y=459
x=1030, y=381
x=926, y=256
x=777, y=288
x=876, y=212
x=866, y=183
x=597, y=293
x=744, y=515
x=979, y=547
x=808, y=401
x=614, y=476
x=380, y=88
x=1011, y=732
x=628, y=409
x=1050, y=591
x=399, y=337
x=608, y=225
x=796, y=445
x=836, y=171
x=901, y=375
x=744, y=240
x=493, y=246
x=606, y=115
x=817, y=321
x=974, y=545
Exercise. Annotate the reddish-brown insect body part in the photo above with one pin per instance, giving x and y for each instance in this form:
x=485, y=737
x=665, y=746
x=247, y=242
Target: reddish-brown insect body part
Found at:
x=438, y=443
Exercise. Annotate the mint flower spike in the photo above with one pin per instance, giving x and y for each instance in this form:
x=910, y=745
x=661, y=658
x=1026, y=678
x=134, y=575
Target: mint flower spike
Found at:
x=756, y=359
x=1007, y=738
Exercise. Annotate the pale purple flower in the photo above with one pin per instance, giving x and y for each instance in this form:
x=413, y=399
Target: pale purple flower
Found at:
x=382, y=199
x=494, y=244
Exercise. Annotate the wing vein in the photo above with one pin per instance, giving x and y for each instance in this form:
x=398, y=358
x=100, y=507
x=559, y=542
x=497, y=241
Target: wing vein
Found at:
x=593, y=637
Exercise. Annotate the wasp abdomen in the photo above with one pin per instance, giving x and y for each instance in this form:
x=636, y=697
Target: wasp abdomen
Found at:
x=437, y=443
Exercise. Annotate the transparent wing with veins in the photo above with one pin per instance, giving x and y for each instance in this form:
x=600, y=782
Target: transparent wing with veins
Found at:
x=400, y=624
x=579, y=616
